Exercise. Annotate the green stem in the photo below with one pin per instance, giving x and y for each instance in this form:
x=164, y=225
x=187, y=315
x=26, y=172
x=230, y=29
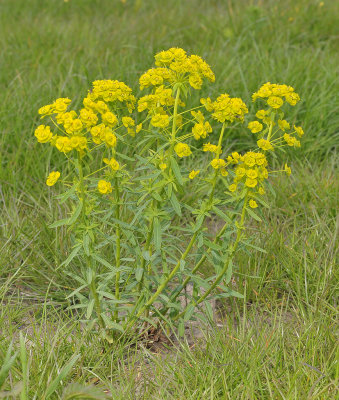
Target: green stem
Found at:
x=270, y=131
x=118, y=235
x=174, y=125
x=147, y=247
x=215, y=179
x=93, y=288
x=96, y=301
x=229, y=258
x=166, y=281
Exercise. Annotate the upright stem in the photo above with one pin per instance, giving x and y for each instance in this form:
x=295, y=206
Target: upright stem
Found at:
x=117, y=252
x=165, y=283
x=217, y=157
x=147, y=247
x=270, y=131
x=229, y=258
x=234, y=248
x=174, y=125
x=93, y=288
x=96, y=301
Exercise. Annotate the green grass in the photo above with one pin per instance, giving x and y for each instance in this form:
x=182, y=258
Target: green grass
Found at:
x=277, y=343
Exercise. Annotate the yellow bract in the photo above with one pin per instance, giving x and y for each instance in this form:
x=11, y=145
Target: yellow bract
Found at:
x=255, y=126
x=182, y=150
x=253, y=204
x=113, y=163
x=104, y=187
x=43, y=134
x=226, y=108
x=53, y=178
x=193, y=174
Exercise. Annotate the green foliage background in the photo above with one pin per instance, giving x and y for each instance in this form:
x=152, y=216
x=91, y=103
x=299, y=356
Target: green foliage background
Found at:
x=55, y=48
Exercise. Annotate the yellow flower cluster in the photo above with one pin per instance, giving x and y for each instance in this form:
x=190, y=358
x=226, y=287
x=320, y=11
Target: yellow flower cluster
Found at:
x=160, y=120
x=291, y=140
x=129, y=124
x=43, y=134
x=212, y=148
x=264, y=144
x=52, y=178
x=103, y=134
x=250, y=169
x=113, y=163
x=59, y=106
x=104, y=187
x=201, y=128
x=174, y=65
x=109, y=91
x=226, y=108
x=255, y=126
x=276, y=94
x=160, y=98
x=182, y=150
x=193, y=174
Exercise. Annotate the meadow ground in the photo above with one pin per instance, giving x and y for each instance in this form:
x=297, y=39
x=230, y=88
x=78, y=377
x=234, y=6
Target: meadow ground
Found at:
x=277, y=343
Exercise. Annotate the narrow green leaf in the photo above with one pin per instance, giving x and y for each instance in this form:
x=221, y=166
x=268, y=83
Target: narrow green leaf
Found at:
x=7, y=364
x=176, y=170
x=175, y=204
x=138, y=273
x=222, y=215
x=76, y=214
x=157, y=233
x=253, y=214
x=62, y=375
x=73, y=254
x=61, y=222
x=110, y=324
x=89, y=310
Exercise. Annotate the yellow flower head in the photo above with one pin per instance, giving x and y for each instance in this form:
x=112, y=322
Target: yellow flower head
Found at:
x=226, y=108
x=251, y=183
x=128, y=122
x=104, y=187
x=78, y=143
x=253, y=204
x=160, y=120
x=261, y=114
x=43, y=134
x=53, y=178
x=113, y=163
x=182, y=150
x=261, y=190
x=275, y=102
x=288, y=170
x=252, y=173
x=110, y=91
x=60, y=105
x=291, y=141
x=193, y=174
x=299, y=130
x=272, y=91
x=232, y=188
x=162, y=166
x=264, y=144
x=218, y=163
x=109, y=119
x=255, y=126
x=63, y=144
x=46, y=110
x=283, y=124
x=110, y=139
x=212, y=148
x=201, y=130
